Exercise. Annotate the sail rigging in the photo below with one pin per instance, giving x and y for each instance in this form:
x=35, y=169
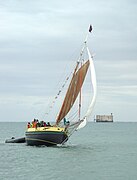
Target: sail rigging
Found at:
x=73, y=90
x=76, y=84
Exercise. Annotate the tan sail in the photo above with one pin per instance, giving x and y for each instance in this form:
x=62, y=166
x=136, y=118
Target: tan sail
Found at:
x=73, y=90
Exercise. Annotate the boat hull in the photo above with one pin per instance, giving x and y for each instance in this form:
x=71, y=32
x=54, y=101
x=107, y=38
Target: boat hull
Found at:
x=16, y=140
x=46, y=136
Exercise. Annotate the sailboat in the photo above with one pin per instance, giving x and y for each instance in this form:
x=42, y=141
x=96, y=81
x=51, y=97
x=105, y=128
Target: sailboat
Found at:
x=60, y=132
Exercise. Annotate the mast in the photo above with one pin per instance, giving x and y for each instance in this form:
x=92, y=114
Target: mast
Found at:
x=80, y=94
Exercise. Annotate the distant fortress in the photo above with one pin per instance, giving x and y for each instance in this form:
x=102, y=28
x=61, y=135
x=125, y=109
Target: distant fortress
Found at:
x=103, y=118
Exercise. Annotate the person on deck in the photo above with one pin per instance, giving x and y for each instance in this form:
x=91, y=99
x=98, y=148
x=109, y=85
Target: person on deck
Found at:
x=38, y=124
x=28, y=125
x=34, y=124
x=48, y=124
x=41, y=123
x=66, y=123
x=44, y=124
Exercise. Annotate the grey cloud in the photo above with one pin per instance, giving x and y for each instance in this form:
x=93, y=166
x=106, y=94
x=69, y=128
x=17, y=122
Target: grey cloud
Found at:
x=37, y=36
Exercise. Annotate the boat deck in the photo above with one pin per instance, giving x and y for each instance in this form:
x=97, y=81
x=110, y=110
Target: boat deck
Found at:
x=50, y=128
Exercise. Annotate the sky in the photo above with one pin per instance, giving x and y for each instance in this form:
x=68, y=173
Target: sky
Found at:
x=38, y=39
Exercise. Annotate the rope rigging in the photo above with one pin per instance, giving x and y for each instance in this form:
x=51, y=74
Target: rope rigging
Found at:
x=57, y=95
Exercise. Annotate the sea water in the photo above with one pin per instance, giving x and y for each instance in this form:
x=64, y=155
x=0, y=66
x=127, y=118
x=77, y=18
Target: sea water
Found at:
x=100, y=151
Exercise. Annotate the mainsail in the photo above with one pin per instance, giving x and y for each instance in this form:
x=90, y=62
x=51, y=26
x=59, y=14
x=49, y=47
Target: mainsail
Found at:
x=73, y=90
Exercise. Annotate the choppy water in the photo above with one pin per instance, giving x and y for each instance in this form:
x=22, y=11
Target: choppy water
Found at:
x=100, y=151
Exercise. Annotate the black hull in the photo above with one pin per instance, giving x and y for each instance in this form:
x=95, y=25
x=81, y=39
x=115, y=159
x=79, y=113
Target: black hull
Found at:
x=45, y=138
x=16, y=140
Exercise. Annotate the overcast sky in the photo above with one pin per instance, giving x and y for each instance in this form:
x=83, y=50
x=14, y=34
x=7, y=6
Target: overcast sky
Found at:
x=38, y=38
